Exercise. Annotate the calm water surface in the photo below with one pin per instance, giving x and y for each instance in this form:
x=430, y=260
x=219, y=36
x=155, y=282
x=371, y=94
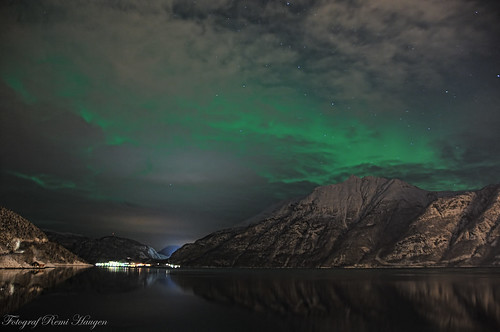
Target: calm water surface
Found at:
x=252, y=300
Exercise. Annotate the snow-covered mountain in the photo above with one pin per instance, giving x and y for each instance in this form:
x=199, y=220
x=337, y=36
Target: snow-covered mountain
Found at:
x=366, y=222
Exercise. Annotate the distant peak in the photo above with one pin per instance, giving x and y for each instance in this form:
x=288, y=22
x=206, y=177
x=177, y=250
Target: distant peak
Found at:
x=351, y=180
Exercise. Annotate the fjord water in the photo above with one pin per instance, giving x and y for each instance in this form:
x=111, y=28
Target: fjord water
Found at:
x=257, y=300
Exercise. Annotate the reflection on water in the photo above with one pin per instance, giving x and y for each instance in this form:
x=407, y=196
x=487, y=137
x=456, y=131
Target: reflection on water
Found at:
x=365, y=300
x=263, y=300
x=18, y=287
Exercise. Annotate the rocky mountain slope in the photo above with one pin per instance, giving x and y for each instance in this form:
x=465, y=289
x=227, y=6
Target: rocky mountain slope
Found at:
x=108, y=248
x=367, y=222
x=22, y=244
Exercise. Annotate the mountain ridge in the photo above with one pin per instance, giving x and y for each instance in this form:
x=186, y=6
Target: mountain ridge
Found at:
x=106, y=248
x=362, y=222
x=23, y=245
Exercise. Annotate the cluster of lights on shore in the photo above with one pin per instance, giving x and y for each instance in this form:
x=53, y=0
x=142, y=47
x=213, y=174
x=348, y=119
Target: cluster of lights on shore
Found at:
x=121, y=264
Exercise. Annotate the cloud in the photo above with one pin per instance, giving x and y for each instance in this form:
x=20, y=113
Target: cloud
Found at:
x=344, y=49
x=221, y=107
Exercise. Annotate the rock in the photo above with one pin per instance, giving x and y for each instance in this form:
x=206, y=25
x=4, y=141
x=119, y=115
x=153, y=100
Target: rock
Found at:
x=23, y=245
x=369, y=222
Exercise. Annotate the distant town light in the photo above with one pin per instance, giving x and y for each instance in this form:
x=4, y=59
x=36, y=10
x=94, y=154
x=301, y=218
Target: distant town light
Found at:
x=120, y=264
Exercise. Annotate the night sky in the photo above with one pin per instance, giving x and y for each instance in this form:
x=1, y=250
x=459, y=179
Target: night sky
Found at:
x=165, y=120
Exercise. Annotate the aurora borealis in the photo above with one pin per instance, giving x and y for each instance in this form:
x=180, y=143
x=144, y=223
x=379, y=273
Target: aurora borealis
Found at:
x=164, y=120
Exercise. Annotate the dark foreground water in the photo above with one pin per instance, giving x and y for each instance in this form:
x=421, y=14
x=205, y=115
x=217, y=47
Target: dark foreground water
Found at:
x=250, y=300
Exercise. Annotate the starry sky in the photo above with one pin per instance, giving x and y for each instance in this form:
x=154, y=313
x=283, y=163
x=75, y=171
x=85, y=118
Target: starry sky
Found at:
x=165, y=120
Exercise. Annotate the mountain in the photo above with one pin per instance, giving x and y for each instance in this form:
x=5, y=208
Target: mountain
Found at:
x=108, y=248
x=168, y=250
x=22, y=244
x=68, y=240
x=368, y=222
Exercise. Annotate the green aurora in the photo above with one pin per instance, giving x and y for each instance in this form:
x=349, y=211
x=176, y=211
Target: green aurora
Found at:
x=285, y=139
x=165, y=111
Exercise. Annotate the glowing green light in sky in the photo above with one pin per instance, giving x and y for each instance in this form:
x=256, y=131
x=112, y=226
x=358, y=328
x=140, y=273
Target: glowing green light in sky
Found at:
x=284, y=137
x=46, y=181
x=17, y=85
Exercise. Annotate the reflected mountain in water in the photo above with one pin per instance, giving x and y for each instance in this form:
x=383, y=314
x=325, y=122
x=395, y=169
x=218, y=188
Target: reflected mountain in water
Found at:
x=20, y=286
x=368, y=300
